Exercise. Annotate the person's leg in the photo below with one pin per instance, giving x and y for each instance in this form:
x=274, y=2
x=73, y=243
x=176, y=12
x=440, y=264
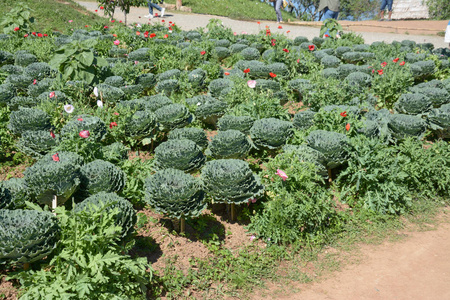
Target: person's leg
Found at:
x=327, y=14
x=278, y=4
x=390, y=2
x=382, y=8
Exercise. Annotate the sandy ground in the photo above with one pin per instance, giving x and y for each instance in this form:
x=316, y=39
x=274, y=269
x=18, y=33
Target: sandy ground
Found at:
x=416, y=268
x=419, y=31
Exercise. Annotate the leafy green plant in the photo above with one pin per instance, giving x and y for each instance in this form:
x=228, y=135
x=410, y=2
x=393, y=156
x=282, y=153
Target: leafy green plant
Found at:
x=229, y=144
x=77, y=61
x=89, y=262
x=101, y=176
x=402, y=126
x=332, y=26
x=271, y=133
x=179, y=154
x=126, y=216
x=37, y=143
x=194, y=134
x=241, y=123
x=28, y=119
x=27, y=235
x=334, y=146
x=175, y=194
x=18, y=17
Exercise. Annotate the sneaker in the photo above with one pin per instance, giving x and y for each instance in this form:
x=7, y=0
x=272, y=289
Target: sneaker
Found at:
x=380, y=20
x=162, y=12
x=148, y=16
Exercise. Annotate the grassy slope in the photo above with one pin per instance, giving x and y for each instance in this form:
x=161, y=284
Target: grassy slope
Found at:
x=51, y=15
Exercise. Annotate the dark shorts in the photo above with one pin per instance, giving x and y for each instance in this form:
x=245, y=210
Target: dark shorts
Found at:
x=386, y=3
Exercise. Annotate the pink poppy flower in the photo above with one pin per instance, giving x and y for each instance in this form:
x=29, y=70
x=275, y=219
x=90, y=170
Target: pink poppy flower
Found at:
x=84, y=134
x=52, y=134
x=25, y=35
x=116, y=42
x=55, y=157
x=116, y=113
x=52, y=94
x=70, y=21
x=34, y=81
x=251, y=83
x=80, y=119
x=281, y=174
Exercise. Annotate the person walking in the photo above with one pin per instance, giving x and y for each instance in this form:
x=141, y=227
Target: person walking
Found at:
x=447, y=34
x=152, y=5
x=277, y=6
x=384, y=4
x=329, y=8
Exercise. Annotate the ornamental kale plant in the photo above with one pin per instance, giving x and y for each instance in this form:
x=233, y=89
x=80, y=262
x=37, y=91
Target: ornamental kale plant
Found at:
x=37, y=143
x=173, y=116
x=28, y=119
x=14, y=194
x=95, y=126
x=55, y=174
x=175, y=194
x=231, y=181
x=126, y=216
x=229, y=144
x=271, y=133
x=89, y=262
x=27, y=236
x=241, y=123
x=402, y=126
x=101, y=176
x=334, y=146
x=194, y=134
x=183, y=155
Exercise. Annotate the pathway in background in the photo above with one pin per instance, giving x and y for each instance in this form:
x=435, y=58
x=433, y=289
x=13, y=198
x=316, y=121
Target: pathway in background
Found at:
x=189, y=21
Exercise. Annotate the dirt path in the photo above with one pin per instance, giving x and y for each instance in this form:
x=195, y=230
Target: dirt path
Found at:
x=371, y=31
x=416, y=268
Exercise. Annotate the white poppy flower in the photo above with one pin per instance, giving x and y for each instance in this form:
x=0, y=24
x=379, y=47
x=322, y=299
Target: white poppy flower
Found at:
x=100, y=103
x=69, y=108
x=96, y=92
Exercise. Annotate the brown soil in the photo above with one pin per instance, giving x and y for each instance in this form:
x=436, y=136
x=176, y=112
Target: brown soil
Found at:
x=417, y=267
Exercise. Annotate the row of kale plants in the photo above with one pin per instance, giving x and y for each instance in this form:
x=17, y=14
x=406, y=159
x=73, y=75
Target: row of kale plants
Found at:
x=300, y=127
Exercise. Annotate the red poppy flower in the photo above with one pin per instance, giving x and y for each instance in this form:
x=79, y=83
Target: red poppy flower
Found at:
x=162, y=21
x=106, y=27
x=84, y=134
x=203, y=52
x=273, y=75
x=101, y=7
x=280, y=27
x=258, y=22
x=120, y=21
x=25, y=35
x=227, y=73
x=145, y=34
x=170, y=28
x=96, y=10
x=39, y=35
x=298, y=60
x=112, y=21
x=373, y=71
x=268, y=32
x=395, y=59
x=380, y=72
x=383, y=64
x=286, y=50
x=16, y=28
x=402, y=63
x=112, y=124
x=247, y=70
x=52, y=134
x=116, y=113
x=55, y=157
x=34, y=81
x=311, y=47
x=86, y=25
x=114, y=35
x=343, y=114
x=166, y=36
x=51, y=95
x=33, y=33
x=288, y=31
x=347, y=127
x=326, y=35
x=273, y=42
x=80, y=119
x=152, y=35
x=45, y=34
x=138, y=33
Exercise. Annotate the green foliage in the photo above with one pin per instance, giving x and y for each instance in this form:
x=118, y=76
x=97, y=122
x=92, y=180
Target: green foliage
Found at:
x=298, y=208
x=115, y=81
x=115, y=153
x=241, y=123
x=183, y=155
x=38, y=70
x=438, y=9
x=101, y=176
x=26, y=235
x=439, y=119
x=413, y=104
x=359, y=79
x=374, y=179
x=141, y=125
x=194, y=134
x=332, y=26
x=271, y=133
x=152, y=103
x=229, y=144
x=173, y=116
x=55, y=174
x=303, y=119
x=95, y=126
x=14, y=193
x=250, y=53
x=207, y=108
x=437, y=96
x=7, y=92
x=125, y=218
x=231, y=181
x=422, y=69
x=403, y=126
x=37, y=143
x=28, y=119
x=175, y=194
x=330, y=61
x=218, y=86
x=167, y=86
x=19, y=16
x=76, y=61
x=334, y=146
x=89, y=263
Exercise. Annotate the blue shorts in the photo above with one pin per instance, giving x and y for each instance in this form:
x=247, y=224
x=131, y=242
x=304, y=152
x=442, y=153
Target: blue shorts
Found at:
x=387, y=3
